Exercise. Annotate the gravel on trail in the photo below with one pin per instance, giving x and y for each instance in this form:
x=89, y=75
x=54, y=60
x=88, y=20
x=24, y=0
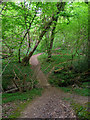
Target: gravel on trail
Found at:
x=49, y=105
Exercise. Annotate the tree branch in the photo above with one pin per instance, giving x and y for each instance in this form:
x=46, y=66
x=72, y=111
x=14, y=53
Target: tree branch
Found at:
x=3, y=8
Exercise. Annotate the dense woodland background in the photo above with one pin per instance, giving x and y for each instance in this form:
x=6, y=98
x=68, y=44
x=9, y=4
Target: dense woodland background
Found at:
x=59, y=30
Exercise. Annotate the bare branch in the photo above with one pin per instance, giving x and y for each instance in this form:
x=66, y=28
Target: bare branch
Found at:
x=29, y=27
x=19, y=84
x=6, y=66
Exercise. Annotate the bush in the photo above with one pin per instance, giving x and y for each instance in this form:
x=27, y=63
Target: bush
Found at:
x=69, y=74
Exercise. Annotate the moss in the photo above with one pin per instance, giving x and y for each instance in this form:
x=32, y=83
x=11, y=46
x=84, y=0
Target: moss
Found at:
x=18, y=110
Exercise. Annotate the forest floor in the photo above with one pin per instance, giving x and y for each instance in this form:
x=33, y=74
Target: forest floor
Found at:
x=52, y=103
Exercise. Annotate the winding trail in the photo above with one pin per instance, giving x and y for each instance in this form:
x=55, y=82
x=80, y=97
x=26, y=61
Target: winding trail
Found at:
x=37, y=72
x=51, y=103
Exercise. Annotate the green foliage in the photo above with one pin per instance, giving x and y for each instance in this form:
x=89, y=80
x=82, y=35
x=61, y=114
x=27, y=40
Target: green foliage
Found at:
x=71, y=29
x=82, y=91
x=71, y=34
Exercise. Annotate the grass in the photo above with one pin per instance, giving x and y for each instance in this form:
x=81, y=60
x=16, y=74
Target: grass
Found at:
x=81, y=112
x=80, y=91
x=20, y=99
x=10, y=97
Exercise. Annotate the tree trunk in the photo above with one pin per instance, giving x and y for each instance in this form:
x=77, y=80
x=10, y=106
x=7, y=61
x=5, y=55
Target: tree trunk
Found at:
x=52, y=39
x=60, y=7
x=40, y=38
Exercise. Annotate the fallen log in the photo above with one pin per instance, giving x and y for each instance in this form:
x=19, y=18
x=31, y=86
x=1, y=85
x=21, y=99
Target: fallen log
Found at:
x=58, y=70
x=11, y=90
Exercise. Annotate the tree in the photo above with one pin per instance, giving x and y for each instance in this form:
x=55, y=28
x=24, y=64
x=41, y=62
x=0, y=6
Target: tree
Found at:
x=60, y=7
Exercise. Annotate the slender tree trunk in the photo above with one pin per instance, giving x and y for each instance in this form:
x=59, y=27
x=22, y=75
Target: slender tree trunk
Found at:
x=28, y=43
x=52, y=39
x=88, y=53
x=19, y=55
x=53, y=33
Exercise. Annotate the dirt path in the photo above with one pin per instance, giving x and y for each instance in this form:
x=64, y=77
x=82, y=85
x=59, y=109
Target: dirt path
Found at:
x=38, y=73
x=50, y=104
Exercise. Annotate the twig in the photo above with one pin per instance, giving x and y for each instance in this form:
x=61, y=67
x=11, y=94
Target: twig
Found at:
x=18, y=81
x=15, y=83
x=11, y=90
